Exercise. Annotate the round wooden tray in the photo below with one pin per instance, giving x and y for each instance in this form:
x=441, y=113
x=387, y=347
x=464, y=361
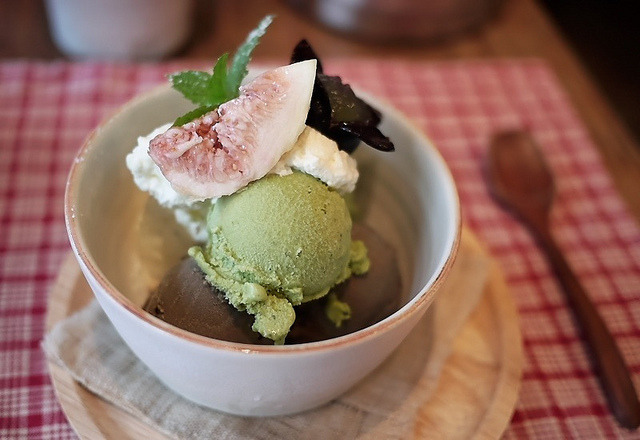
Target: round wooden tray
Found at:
x=473, y=395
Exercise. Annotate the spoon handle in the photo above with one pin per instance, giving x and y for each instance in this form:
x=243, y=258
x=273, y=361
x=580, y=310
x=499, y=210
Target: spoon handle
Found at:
x=614, y=374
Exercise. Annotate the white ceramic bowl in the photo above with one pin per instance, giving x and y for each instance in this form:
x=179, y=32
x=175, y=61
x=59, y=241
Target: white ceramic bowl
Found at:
x=124, y=243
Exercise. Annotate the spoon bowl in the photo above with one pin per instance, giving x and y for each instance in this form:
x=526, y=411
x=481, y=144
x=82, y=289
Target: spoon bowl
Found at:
x=520, y=176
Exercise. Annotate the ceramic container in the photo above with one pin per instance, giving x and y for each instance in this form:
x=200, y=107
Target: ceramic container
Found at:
x=119, y=29
x=124, y=243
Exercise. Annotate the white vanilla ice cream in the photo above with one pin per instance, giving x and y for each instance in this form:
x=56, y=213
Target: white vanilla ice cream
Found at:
x=317, y=155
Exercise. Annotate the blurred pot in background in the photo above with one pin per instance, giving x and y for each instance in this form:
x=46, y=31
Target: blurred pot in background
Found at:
x=399, y=20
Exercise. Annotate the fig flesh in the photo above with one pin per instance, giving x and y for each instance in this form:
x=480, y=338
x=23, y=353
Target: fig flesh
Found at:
x=241, y=140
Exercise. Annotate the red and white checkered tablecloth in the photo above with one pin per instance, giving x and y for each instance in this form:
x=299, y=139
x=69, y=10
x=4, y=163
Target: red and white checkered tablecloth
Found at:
x=46, y=109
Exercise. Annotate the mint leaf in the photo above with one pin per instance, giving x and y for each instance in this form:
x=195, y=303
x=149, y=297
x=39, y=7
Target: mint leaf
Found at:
x=193, y=85
x=201, y=87
x=243, y=55
x=211, y=90
x=193, y=114
x=217, y=86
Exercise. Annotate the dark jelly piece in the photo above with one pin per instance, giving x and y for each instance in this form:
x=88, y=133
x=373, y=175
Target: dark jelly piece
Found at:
x=337, y=112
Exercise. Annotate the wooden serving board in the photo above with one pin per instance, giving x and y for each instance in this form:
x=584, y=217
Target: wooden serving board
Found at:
x=474, y=396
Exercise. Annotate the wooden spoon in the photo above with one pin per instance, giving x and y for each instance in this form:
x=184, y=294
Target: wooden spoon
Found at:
x=521, y=180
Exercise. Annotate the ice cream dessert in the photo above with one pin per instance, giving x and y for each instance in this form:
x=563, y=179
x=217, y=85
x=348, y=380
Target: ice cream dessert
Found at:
x=261, y=193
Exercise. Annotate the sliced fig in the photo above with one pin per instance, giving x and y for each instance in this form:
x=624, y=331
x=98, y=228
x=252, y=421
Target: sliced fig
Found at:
x=240, y=141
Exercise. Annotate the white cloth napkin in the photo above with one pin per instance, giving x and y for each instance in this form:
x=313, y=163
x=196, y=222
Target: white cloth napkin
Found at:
x=383, y=405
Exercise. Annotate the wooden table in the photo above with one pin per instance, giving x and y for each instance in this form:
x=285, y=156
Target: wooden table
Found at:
x=521, y=29
x=35, y=240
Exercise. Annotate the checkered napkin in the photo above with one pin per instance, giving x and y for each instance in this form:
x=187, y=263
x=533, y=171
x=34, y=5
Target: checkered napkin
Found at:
x=46, y=109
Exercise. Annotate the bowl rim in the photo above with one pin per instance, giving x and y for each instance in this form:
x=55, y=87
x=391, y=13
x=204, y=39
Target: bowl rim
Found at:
x=413, y=306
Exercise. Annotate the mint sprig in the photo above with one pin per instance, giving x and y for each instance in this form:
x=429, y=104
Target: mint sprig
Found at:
x=211, y=90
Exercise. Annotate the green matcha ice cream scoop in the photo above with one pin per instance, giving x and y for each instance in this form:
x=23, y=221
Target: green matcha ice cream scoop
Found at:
x=279, y=242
